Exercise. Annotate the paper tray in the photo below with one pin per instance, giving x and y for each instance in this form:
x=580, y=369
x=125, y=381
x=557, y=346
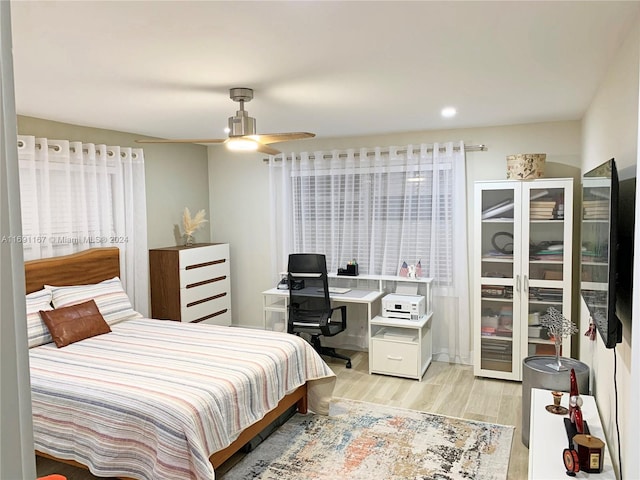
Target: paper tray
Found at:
x=402, y=334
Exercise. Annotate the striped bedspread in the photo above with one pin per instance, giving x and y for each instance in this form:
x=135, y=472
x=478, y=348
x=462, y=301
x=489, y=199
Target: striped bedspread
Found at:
x=154, y=399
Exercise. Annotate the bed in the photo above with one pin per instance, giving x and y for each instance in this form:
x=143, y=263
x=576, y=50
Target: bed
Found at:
x=155, y=399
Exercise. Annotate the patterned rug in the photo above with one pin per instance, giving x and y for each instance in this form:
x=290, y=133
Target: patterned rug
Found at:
x=364, y=441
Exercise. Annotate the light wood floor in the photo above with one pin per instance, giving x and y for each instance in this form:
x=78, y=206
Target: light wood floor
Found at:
x=446, y=389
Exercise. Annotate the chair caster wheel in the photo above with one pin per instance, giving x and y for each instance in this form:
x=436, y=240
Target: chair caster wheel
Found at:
x=349, y=364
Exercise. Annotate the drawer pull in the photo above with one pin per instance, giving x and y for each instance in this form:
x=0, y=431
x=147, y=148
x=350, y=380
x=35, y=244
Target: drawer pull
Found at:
x=204, y=282
x=208, y=299
x=205, y=264
x=393, y=357
x=198, y=320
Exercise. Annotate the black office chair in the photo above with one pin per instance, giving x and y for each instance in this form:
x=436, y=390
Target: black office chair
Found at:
x=310, y=308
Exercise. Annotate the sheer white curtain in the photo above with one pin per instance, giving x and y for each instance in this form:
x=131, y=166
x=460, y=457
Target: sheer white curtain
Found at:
x=382, y=207
x=77, y=196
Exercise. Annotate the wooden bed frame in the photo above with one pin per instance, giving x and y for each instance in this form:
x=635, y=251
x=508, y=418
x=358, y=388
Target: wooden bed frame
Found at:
x=97, y=264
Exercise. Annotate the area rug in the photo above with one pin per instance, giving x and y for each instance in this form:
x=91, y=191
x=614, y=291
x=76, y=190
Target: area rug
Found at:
x=365, y=441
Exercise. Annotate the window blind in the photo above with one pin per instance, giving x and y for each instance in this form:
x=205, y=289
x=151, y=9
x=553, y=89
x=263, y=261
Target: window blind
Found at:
x=395, y=208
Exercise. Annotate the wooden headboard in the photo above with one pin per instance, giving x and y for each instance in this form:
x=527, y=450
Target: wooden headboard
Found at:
x=89, y=266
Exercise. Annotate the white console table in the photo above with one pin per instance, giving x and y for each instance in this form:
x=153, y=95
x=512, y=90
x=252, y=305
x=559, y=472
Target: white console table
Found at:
x=548, y=438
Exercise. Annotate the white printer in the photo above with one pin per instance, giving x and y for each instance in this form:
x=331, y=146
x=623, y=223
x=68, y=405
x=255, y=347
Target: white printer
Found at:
x=407, y=307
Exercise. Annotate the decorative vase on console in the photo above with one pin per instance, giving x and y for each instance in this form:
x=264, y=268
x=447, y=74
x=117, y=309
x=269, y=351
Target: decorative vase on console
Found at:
x=558, y=326
x=191, y=224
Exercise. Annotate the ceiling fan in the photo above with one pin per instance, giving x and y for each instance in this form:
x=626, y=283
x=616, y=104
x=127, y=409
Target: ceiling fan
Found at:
x=242, y=130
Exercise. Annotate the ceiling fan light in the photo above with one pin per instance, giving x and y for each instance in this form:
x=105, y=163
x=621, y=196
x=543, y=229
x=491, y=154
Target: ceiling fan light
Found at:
x=242, y=144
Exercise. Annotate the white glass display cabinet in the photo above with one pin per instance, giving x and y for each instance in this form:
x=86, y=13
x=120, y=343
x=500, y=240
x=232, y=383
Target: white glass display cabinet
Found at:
x=522, y=266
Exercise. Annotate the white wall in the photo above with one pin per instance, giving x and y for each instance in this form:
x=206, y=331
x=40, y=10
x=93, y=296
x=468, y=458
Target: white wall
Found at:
x=239, y=190
x=610, y=130
x=16, y=430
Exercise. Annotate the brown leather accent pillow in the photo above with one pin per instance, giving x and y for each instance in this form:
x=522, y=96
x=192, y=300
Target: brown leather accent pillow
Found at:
x=74, y=323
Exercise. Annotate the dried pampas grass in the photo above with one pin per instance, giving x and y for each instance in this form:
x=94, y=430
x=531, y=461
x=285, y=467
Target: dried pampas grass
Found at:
x=192, y=224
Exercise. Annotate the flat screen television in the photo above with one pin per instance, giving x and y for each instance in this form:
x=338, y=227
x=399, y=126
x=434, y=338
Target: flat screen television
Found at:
x=608, y=214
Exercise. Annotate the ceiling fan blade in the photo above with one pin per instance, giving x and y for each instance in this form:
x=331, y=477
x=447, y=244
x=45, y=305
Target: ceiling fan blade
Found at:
x=281, y=137
x=186, y=140
x=268, y=150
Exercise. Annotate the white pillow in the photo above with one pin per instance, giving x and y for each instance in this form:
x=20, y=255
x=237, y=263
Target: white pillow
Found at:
x=37, y=332
x=110, y=297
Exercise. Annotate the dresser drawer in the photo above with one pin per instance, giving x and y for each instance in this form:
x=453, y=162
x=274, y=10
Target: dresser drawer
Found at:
x=203, y=254
x=206, y=309
x=207, y=273
x=189, y=296
x=223, y=319
x=395, y=358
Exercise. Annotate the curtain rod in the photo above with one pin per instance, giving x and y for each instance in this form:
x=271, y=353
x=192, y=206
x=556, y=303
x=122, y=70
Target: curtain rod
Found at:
x=467, y=148
x=57, y=148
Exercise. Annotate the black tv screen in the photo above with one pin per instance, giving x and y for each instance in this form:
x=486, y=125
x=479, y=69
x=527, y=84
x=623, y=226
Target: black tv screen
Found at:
x=606, y=268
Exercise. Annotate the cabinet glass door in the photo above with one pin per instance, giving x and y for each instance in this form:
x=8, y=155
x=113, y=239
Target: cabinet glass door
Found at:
x=499, y=245
x=546, y=266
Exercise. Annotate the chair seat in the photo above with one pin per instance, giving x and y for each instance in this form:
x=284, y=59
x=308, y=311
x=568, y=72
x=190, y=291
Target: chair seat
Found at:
x=314, y=329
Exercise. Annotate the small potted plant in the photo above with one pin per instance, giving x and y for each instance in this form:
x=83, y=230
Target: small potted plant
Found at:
x=558, y=327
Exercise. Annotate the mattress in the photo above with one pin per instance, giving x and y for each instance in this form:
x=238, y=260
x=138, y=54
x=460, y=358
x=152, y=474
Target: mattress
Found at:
x=154, y=399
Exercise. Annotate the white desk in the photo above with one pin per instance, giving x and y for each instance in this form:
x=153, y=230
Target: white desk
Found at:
x=366, y=290
x=548, y=438
x=277, y=300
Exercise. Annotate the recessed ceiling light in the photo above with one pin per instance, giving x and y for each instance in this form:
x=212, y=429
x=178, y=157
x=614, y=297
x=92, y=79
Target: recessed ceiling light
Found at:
x=448, y=112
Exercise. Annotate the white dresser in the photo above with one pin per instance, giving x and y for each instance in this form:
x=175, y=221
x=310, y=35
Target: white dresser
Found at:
x=191, y=284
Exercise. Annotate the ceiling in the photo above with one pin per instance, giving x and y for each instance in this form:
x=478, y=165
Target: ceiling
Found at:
x=164, y=68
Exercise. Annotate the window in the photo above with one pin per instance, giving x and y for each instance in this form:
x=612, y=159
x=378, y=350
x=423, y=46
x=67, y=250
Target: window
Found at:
x=76, y=196
x=380, y=209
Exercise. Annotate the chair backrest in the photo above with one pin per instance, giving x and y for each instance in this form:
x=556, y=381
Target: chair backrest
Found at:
x=313, y=298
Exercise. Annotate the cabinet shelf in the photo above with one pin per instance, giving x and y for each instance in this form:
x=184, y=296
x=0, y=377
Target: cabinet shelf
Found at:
x=497, y=260
x=498, y=220
x=497, y=299
x=544, y=302
x=497, y=337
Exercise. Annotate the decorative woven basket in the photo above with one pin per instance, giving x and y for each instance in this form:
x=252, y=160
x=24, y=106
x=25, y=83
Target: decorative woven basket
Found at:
x=525, y=166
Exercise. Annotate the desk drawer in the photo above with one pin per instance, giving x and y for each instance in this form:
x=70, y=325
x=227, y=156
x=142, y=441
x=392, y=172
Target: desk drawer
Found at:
x=395, y=358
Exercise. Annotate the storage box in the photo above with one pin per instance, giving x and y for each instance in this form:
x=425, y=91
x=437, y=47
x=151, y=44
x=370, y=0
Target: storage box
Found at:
x=534, y=331
x=525, y=166
x=490, y=321
x=538, y=331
